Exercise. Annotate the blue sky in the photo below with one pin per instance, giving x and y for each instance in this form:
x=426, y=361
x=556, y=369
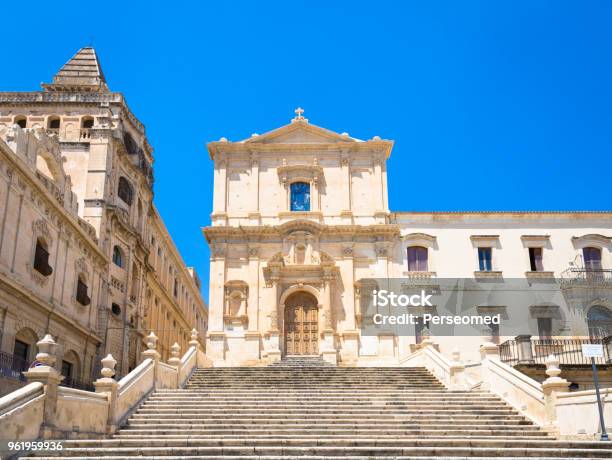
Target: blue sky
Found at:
x=493, y=105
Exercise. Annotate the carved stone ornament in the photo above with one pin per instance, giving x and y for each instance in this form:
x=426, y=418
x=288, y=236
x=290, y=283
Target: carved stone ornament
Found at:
x=41, y=229
x=81, y=265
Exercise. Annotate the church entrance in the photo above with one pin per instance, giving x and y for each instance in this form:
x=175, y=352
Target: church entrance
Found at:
x=301, y=324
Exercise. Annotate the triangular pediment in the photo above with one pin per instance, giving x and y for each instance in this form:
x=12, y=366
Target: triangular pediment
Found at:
x=300, y=132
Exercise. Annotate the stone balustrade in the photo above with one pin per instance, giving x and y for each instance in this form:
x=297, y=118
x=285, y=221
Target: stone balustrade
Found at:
x=44, y=410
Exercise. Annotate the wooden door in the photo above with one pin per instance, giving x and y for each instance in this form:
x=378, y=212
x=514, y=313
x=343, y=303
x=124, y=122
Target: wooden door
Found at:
x=301, y=325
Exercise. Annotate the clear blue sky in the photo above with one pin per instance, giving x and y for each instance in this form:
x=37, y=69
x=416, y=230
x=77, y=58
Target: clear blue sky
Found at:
x=493, y=105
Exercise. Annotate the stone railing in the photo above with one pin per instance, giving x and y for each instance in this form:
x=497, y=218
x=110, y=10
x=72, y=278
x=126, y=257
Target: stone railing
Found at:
x=44, y=410
x=549, y=404
x=450, y=373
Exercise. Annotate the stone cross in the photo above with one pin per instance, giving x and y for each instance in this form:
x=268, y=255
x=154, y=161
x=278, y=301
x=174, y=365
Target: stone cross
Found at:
x=299, y=111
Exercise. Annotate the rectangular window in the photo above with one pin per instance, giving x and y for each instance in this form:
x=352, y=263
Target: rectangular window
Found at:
x=81, y=294
x=66, y=369
x=535, y=259
x=21, y=350
x=545, y=328
x=592, y=258
x=41, y=260
x=494, y=333
x=300, y=196
x=421, y=330
x=484, y=259
x=417, y=259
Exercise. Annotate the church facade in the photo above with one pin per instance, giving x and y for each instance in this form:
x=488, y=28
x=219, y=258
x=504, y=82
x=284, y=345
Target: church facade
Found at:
x=301, y=223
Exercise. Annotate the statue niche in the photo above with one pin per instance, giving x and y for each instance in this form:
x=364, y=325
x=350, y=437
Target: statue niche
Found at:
x=235, y=315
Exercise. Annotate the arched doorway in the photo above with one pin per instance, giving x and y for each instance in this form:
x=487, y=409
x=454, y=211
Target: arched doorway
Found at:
x=600, y=321
x=301, y=324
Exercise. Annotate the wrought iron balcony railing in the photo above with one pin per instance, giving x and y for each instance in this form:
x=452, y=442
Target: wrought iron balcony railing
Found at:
x=569, y=351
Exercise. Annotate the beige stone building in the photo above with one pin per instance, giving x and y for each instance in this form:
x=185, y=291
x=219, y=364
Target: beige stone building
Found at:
x=301, y=220
x=84, y=254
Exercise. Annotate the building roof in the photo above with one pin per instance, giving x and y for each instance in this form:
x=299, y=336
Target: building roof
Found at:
x=81, y=73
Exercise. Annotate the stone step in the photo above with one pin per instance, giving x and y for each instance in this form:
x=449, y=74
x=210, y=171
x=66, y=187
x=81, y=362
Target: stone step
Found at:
x=322, y=405
x=308, y=434
x=230, y=419
x=306, y=411
x=304, y=457
x=189, y=396
x=501, y=443
x=353, y=392
x=350, y=425
x=338, y=451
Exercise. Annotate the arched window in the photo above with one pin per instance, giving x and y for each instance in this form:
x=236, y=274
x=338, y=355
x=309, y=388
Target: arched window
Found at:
x=53, y=123
x=41, y=258
x=118, y=256
x=125, y=191
x=24, y=350
x=21, y=121
x=599, y=319
x=300, y=196
x=130, y=144
x=592, y=258
x=417, y=259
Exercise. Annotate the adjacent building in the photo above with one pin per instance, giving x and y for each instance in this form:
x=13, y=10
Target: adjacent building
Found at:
x=84, y=254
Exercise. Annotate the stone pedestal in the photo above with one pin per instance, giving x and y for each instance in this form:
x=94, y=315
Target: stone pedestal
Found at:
x=46, y=374
x=551, y=387
x=274, y=352
x=328, y=351
x=525, y=352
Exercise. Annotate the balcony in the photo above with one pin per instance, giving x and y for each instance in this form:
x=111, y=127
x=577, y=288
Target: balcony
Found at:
x=12, y=366
x=525, y=351
x=575, y=277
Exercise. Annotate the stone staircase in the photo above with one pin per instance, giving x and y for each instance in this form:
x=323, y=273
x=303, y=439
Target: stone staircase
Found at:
x=307, y=409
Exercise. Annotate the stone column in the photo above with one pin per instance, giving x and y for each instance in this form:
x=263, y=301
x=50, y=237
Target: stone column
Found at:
x=175, y=361
x=551, y=387
x=50, y=378
x=488, y=352
x=274, y=352
x=151, y=353
x=328, y=351
x=107, y=384
x=525, y=353
x=457, y=380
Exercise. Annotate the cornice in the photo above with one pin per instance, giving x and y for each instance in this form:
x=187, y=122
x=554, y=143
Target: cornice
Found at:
x=278, y=231
x=220, y=147
x=59, y=97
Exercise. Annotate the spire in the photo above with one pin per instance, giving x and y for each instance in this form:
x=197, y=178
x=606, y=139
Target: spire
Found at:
x=81, y=73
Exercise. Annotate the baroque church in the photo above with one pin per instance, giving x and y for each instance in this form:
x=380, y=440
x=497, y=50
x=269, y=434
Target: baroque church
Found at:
x=301, y=224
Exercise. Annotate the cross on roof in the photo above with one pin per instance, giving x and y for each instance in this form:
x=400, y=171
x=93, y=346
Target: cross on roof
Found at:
x=299, y=111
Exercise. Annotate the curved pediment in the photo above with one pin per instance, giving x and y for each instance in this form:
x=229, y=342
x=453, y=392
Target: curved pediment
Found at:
x=300, y=225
